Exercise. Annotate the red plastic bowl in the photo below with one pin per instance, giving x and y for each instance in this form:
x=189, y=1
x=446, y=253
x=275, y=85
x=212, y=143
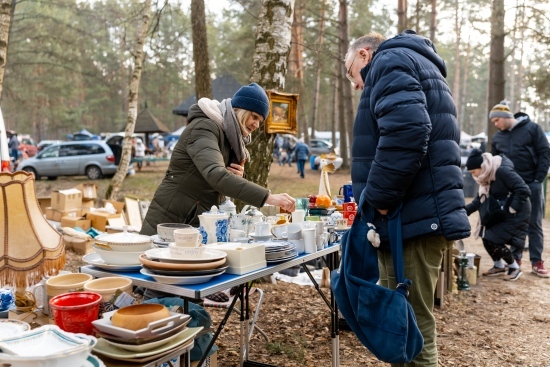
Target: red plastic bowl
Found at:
x=74, y=312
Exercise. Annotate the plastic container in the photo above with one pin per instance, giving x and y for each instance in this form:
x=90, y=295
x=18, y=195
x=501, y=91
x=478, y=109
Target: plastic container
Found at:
x=74, y=312
x=312, y=163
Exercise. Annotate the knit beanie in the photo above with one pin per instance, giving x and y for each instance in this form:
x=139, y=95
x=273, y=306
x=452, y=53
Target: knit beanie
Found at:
x=501, y=110
x=253, y=98
x=474, y=160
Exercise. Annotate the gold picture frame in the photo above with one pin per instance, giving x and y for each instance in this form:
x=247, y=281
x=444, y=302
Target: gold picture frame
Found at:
x=282, y=113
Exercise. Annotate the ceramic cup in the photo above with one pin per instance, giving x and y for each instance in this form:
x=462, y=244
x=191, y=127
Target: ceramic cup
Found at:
x=298, y=215
x=310, y=246
x=321, y=241
x=187, y=237
x=294, y=231
x=299, y=245
x=342, y=223
x=280, y=231
x=319, y=227
x=262, y=229
x=236, y=233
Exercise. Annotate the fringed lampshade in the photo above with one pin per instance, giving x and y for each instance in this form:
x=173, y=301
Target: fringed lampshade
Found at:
x=30, y=247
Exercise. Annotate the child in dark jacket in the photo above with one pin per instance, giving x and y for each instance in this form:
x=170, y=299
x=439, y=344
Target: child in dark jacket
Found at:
x=498, y=179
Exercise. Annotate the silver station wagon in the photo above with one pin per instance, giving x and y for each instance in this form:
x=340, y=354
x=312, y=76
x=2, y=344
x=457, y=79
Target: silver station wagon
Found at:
x=92, y=158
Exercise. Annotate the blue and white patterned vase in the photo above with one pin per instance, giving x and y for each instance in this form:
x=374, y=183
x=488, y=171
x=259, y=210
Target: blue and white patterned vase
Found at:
x=204, y=235
x=221, y=230
x=215, y=225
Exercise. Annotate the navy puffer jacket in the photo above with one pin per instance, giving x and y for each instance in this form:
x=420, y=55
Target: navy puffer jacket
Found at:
x=405, y=140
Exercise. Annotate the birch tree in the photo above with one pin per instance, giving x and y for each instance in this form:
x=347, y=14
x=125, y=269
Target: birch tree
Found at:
x=269, y=67
x=122, y=170
x=5, y=20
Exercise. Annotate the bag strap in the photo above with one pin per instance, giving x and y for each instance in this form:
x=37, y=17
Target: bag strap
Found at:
x=366, y=213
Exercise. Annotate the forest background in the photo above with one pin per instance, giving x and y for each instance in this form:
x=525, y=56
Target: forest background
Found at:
x=69, y=62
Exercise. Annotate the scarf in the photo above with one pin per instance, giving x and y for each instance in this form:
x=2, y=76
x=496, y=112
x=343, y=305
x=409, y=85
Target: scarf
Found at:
x=223, y=114
x=488, y=174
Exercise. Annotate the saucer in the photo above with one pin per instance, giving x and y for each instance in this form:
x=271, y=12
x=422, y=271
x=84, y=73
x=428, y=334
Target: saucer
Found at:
x=261, y=238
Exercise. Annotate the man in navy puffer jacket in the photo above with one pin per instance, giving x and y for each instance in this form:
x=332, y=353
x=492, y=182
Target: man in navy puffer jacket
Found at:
x=405, y=150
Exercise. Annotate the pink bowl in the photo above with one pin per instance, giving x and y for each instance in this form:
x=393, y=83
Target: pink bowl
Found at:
x=74, y=312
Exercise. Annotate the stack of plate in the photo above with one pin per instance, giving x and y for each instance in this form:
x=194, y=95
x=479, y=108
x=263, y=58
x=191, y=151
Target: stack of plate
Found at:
x=159, y=242
x=157, y=339
x=278, y=251
x=193, y=268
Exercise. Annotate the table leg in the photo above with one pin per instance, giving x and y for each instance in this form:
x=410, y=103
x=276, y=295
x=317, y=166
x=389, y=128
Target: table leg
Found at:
x=241, y=329
x=335, y=333
x=247, y=322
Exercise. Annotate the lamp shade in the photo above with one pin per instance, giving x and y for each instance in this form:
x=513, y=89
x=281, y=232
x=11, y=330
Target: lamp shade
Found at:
x=30, y=248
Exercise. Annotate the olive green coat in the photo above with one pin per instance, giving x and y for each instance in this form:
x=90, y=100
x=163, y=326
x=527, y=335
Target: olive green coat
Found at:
x=197, y=177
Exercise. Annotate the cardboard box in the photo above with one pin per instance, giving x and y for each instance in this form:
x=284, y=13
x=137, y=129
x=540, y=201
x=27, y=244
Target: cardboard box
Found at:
x=74, y=221
x=88, y=189
x=100, y=219
x=49, y=213
x=78, y=245
x=56, y=215
x=66, y=199
x=119, y=206
x=44, y=202
x=87, y=205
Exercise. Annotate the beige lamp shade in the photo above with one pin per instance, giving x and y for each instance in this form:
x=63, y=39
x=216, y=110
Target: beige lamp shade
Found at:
x=30, y=247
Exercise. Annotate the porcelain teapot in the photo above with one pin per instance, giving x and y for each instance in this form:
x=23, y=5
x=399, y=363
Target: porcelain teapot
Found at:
x=214, y=226
x=245, y=220
x=229, y=207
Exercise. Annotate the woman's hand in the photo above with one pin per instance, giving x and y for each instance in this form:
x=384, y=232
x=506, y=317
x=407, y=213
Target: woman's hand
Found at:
x=237, y=169
x=284, y=201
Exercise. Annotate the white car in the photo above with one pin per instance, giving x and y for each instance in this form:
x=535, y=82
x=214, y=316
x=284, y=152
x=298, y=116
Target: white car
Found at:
x=5, y=160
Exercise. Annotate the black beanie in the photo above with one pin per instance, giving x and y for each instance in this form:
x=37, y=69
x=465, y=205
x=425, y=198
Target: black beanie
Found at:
x=474, y=159
x=253, y=98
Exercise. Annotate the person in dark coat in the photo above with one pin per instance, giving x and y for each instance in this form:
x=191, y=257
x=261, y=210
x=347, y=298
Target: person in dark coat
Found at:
x=208, y=161
x=405, y=151
x=301, y=151
x=497, y=178
x=525, y=143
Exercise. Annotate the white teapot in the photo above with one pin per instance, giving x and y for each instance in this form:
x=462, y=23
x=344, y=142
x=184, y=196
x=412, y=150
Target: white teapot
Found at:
x=214, y=226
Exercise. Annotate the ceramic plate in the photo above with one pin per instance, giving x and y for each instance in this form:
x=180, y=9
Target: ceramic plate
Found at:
x=9, y=328
x=156, y=239
x=281, y=259
x=95, y=260
x=147, y=346
x=155, y=328
x=157, y=264
x=108, y=350
x=205, y=255
x=138, y=341
x=185, y=273
x=180, y=280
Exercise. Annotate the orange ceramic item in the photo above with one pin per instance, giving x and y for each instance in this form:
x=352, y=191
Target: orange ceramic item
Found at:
x=323, y=201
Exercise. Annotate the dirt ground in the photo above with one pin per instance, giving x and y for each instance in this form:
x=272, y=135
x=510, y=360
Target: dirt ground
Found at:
x=496, y=323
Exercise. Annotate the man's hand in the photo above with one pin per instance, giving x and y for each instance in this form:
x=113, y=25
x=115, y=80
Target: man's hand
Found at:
x=284, y=201
x=383, y=211
x=237, y=169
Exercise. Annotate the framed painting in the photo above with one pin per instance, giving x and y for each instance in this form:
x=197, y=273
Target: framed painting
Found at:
x=282, y=113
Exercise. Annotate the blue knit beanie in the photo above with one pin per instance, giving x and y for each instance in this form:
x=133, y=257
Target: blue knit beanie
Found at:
x=253, y=98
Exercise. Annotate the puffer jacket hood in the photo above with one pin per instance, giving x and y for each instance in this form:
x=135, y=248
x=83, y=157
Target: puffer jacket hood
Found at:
x=421, y=45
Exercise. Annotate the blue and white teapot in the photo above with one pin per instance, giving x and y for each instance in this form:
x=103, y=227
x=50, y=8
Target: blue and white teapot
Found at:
x=214, y=226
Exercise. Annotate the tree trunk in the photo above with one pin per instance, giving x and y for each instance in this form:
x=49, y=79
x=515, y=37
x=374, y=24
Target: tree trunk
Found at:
x=401, y=15
x=496, y=82
x=6, y=13
x=203, y=85
x=318, y=76
x=296, y=64
x=335, y=94
x=346, y=100
x=464, y=93
x=269, y=67
x=417, y=13
x=433, y=19
x=519, y=90
x=122, y=170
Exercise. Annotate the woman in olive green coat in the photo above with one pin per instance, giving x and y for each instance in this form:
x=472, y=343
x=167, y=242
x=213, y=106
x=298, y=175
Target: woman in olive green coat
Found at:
x=208, y=161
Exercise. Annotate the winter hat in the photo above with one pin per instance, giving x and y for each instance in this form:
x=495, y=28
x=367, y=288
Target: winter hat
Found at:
x=474, y=159
x=252, y=98
x=501, y=110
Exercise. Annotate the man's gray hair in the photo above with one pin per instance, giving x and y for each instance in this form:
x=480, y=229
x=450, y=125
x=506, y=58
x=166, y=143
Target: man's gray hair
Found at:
x=372, y=40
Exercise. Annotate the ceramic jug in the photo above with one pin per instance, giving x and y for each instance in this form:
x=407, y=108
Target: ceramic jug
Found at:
x=229, y=207
x=214, y=226
x=253, y=216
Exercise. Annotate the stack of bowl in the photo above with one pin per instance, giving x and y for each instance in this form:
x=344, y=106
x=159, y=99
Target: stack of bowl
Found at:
x=121, y=248
x=165, y=233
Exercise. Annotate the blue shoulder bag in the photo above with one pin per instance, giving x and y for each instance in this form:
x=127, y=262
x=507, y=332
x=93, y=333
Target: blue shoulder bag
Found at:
x=382, y=318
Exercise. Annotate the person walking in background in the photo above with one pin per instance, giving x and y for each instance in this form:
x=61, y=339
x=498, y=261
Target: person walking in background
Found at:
x=139, y=152
x=277, y=145
x=497, y=179
x=13, y=146
x=525, y=143
x=287, y=147
x=301, y=152
x=405, y=152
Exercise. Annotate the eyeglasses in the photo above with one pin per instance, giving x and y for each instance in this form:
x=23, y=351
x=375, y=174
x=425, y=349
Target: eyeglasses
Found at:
x=348, y=73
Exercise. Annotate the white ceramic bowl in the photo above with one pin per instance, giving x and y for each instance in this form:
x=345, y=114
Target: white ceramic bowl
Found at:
x=125, y=241
x=48, y=346
x=117, y=257
x=108, y=286
x=165, y=231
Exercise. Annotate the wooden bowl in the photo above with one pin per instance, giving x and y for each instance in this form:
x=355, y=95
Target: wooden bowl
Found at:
x=137, y=317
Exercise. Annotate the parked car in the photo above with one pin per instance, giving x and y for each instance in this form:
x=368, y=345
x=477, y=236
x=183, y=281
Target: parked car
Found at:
x=318, y=147
x=46, y=143
x=5, y=159
x=94, y=159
